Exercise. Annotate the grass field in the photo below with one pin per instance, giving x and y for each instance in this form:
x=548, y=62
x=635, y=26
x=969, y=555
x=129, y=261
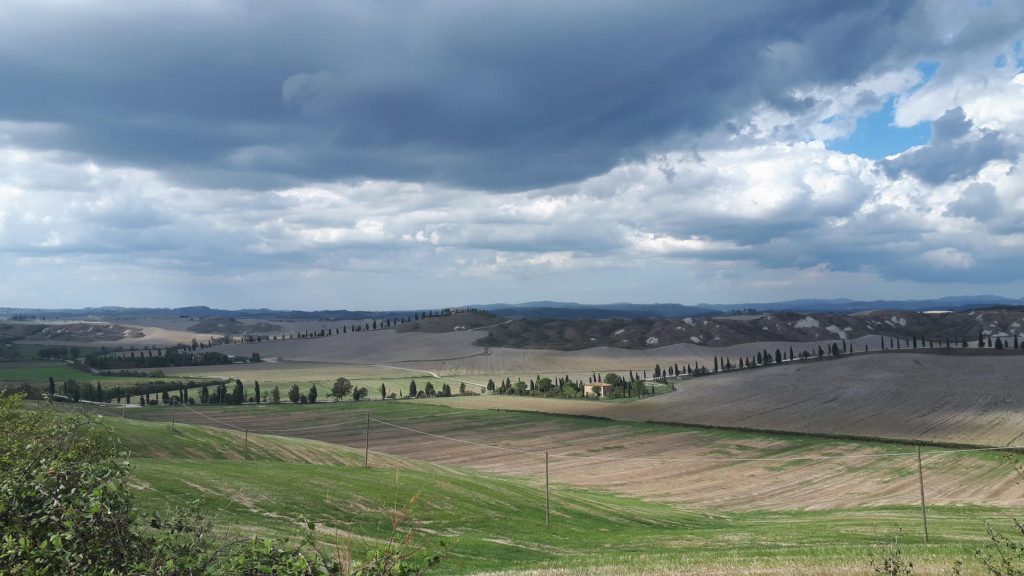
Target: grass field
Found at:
x=39, y=373
x=694, y=467
x=496, y=525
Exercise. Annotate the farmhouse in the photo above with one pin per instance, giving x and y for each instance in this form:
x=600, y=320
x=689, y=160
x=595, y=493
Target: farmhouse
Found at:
x=599, y=389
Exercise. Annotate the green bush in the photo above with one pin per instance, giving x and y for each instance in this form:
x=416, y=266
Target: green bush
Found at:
x=1004, y=555
x=66, y=508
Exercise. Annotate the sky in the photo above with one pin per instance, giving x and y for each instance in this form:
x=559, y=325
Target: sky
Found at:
x=391, y=154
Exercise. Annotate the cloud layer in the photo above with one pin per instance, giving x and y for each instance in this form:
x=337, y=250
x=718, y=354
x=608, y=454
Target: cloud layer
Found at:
x=384, y=155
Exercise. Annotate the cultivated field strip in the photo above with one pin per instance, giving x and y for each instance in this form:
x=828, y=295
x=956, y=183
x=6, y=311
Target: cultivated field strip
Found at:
x=711, y=469
x=454, y=354
x=517, y=363
x=934, y=398
x=372, y=347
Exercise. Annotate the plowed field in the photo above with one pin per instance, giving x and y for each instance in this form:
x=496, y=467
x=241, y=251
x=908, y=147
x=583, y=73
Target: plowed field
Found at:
x=706, y=468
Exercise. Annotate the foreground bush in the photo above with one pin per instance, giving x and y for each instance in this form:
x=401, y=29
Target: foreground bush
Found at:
x=66, y=508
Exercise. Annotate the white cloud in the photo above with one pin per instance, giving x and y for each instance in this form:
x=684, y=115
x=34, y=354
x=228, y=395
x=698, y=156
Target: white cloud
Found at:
x=738, y=196
x=949, y=258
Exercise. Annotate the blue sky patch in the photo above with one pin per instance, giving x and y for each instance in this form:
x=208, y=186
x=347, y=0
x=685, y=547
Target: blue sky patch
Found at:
x=877, y=137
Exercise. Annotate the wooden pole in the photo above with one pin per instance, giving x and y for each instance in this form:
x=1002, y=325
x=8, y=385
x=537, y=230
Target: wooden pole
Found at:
x=920, y=479
x=366, y=454
x=124, y=410
x=547, y=492
x=173, y=404
x=245, y=455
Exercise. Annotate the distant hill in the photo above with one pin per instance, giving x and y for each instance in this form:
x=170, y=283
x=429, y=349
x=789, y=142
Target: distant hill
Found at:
x=115, y=312
x=642, y=333
x=845, y=305
x=572, y=310
x=231, y=326
x=534, y=309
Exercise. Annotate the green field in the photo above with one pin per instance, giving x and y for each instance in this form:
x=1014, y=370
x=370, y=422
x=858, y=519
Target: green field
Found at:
x=40, y=373
x=494, y=523
x=259, y=484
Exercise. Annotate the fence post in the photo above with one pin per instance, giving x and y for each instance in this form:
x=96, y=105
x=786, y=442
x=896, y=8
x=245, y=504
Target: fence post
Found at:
x=174, y=402
x=920, y=479
x=366, y=454
x=547, y=492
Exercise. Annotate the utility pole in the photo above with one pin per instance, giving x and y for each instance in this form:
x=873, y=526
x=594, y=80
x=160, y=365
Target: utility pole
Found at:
x=920, y=479
x=174, y=402
x=547, y=492
x=366, y=455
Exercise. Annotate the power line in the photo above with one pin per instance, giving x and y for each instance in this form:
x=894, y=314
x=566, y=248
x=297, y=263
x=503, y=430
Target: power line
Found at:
x=456, y=439
x=697, y=459
x=308, y=428
x=213, y=419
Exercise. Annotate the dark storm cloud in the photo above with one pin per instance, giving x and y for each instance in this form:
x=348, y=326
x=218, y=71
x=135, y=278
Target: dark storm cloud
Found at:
x=478, y=94
x=957, y=151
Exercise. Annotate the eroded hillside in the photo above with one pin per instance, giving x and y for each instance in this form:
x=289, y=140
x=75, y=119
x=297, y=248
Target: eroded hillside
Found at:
x=731, y=330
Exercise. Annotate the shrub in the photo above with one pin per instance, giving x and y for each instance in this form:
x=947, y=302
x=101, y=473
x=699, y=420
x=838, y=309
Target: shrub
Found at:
x=64, y=504
x=889, y=560
x=66, y=508
x=1004, y=555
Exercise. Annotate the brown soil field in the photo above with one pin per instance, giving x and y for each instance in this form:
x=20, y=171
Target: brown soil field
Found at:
x=145, y=336
x=711, y=468
x=455, y=354
x=500, y=363
x=373, y=347
x=936, y=398
x=294, y=372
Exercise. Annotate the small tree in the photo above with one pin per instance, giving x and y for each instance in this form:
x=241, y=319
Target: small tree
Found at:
x=275, y=395
x=293, y=394
x=256, y=385
x=312, y=394
x=359, y=393
x=238, y=395
x=383, y=391
x=341, y=388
